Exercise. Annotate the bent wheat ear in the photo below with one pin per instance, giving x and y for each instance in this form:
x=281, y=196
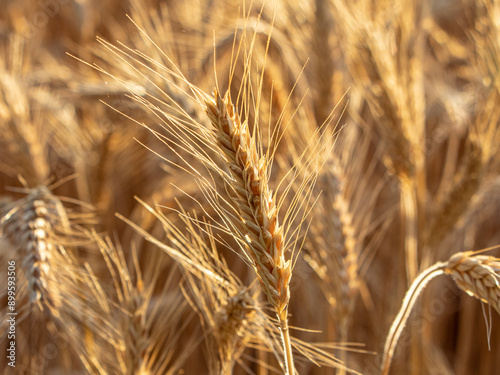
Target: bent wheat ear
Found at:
x=477, y=275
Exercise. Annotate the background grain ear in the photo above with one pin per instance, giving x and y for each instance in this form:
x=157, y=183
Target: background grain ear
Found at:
x=159, y=228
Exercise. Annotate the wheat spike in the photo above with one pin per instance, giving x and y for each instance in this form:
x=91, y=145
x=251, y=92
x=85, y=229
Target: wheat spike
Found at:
x=255, y=202
x=231, y=317
x=231, y=332
x=257, y=208
x=30, y=228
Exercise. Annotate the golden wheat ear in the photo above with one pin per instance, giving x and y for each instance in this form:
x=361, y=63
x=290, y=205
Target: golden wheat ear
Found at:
x=52, y=289
x=255, y=202
x=256, y=205
x=231, y=164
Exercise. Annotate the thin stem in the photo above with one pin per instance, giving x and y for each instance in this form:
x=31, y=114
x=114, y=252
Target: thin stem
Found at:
x=226, y=367
x=409, y=208
x=409, y=301
x=344, y=329
x=287, y=344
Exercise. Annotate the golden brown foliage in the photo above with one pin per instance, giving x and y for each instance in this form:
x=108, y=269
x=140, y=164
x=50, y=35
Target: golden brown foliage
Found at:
x=250, y=187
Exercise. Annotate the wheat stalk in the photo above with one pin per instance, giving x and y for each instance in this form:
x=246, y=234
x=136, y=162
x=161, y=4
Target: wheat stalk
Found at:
x=61, y=298
x=323, y=60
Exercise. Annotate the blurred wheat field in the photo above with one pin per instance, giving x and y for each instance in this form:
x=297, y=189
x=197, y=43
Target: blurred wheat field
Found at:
x=217, y=187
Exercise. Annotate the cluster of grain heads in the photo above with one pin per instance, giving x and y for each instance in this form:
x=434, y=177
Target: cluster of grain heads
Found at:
x=226, y=307
x=477, y=275
x=143, y=318
x=230, y=313
x=236, y=155
x=237, y=186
